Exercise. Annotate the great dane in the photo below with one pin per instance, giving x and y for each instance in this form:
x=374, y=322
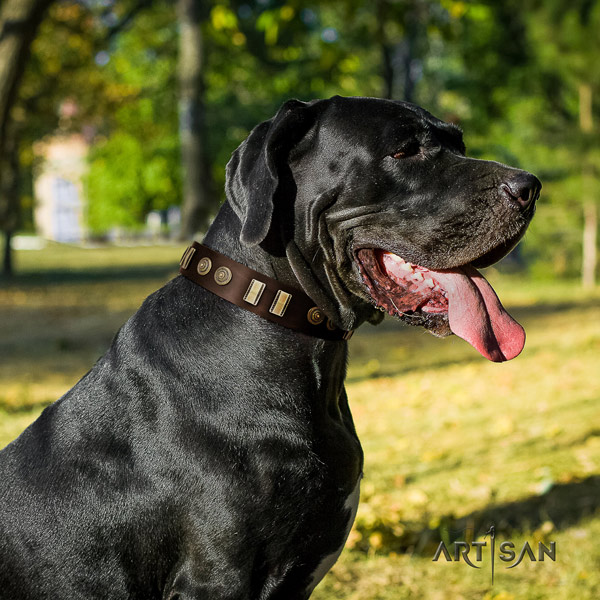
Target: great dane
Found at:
x=210, y=453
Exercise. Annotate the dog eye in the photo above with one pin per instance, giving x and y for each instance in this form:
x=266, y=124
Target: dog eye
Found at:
x=407, y=151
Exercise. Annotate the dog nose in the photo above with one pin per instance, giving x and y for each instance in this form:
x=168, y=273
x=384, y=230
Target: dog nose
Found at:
x=523, y=188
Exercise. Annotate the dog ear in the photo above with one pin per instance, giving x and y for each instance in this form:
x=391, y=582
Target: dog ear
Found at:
x=255, y=170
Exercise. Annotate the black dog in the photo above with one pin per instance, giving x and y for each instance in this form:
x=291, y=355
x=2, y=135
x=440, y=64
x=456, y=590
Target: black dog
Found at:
x=211, y=454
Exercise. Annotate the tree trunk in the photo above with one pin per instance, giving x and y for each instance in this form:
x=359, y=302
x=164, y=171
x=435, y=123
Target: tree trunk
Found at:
x=590, y=258
x=9, y=194
x=399, y=60
x=590, y=207
x=7, y=259
x=19, y=21
x=199, y=198
x=387, y=50
x=388, y=70
x=409, y=53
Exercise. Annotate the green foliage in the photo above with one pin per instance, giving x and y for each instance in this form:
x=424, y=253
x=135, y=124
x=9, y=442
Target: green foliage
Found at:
x=128, y=179
x=509, y=72
x=135, y=166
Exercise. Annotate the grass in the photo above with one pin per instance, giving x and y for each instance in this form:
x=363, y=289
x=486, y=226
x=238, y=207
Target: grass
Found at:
x=60, y=314
x=452, y=442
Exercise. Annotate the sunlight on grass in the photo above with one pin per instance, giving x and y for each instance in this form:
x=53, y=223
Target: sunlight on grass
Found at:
x=529, y=423
x=449, y=438
x=60, y=314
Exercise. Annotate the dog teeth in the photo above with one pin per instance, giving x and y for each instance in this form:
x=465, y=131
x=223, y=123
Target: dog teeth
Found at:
x=429, y=282
x=417, y=276
x=404, y=266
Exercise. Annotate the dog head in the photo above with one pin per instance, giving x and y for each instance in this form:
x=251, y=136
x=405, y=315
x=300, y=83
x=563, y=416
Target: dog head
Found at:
x=375, y=205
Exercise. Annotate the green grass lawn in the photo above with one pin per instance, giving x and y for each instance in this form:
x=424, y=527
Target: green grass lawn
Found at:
x=452, y=442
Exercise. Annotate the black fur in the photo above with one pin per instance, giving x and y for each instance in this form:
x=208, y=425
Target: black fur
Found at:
x=208, y=455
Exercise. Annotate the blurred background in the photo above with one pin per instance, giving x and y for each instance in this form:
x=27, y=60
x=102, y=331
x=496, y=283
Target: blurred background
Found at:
x=117, y=118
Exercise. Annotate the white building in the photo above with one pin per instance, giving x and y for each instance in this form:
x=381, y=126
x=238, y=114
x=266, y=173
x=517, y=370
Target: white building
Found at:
x=59, y=198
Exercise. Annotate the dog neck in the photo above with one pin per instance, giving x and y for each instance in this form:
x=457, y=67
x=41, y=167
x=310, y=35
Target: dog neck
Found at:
x=257, y=293
x=224, y=236
x=288, y=265
x=311, y=360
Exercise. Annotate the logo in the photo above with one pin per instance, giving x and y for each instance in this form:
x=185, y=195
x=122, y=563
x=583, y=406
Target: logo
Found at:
x=507, y=552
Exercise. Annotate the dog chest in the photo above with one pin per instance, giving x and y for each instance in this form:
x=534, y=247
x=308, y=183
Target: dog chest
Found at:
x=327, y=561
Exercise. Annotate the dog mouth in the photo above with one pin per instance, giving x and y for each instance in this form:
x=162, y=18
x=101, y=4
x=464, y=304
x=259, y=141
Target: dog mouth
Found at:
x=457, y=300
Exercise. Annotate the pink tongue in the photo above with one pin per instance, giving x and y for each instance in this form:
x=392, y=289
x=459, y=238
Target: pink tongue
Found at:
x=476, y=315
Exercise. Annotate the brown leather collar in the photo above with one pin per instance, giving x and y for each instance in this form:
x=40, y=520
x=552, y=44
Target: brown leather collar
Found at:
x=253, y=291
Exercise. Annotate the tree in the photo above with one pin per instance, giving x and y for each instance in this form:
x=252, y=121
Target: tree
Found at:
x=567, y=47
x=56, y=63
x=199, y=198
x=19, y=21
x=516, y=89
x=135, y=157
x=404, y=32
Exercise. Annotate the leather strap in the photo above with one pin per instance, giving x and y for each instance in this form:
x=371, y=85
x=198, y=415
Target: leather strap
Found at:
x=257, y=293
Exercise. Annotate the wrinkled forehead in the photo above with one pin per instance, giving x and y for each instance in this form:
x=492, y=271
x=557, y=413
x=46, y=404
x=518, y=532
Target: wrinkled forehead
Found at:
x=372, y=121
